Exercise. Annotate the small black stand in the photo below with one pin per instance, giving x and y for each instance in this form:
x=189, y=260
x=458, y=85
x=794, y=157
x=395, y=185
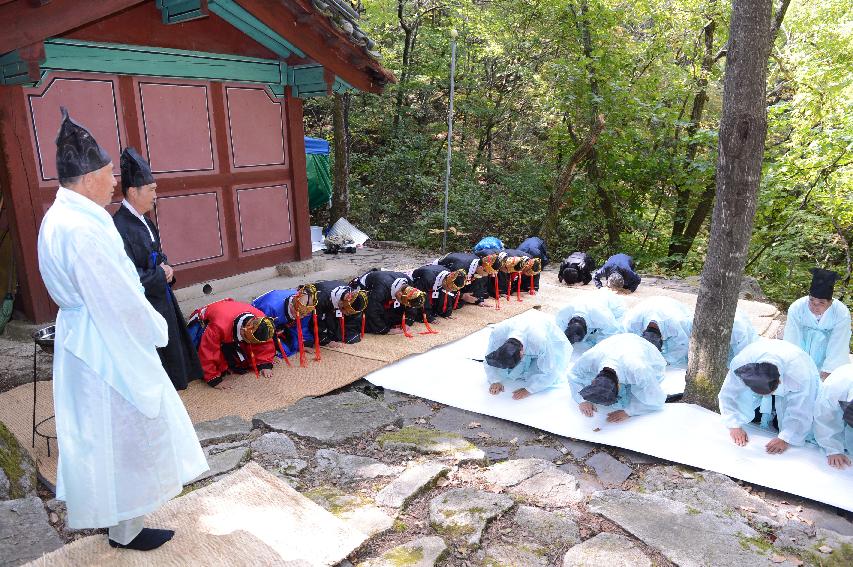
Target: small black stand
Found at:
x=42, y=338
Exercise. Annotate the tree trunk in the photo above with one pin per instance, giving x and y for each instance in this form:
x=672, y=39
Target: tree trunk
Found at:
x=340, y=194
x=743, y=128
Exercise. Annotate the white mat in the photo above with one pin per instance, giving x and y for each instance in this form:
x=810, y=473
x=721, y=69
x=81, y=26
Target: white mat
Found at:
x=682, y=433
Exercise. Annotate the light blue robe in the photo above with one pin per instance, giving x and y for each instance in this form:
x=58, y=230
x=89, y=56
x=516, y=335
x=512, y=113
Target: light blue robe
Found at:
x=126, y=443
x=596, y=311
x=545, y=358
x=794, y=398
x=674, y=319
x=638, y=365
x=743, y=334
x=827, y=341
x=830, y=430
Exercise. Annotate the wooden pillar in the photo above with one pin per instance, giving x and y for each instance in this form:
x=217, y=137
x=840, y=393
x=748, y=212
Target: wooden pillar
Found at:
x=17, y=172
x=296, y=143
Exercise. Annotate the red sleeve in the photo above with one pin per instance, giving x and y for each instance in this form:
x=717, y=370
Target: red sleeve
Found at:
x=210, y=354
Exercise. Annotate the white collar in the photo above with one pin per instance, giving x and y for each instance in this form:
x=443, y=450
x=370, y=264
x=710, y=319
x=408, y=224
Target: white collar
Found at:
x=134, y=212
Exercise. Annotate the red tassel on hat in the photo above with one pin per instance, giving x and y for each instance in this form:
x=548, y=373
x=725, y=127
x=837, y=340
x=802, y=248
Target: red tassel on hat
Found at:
x=406, y=332
x=456, y=301
x=254, y=366
x=363, y=319
x=343, y=330
x=518, y=288
x=283, y=352
x=430, y=330
x=301, y=342
x=444, y=307
x=317, y=355
x=532, y=290
x=497, y=295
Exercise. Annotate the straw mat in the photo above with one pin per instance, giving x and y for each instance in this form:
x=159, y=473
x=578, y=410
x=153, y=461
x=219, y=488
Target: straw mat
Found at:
x=249, y=517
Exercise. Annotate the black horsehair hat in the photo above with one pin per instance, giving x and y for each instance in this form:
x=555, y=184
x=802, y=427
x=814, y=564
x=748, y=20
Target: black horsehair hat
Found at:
x=761, y=377
x=77, y=151
x=823, y=283
x=604, y=388
x=508, y=355
x=576, y=329
x=135, y=171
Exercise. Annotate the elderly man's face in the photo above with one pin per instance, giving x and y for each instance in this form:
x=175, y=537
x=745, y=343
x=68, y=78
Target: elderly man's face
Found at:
x=819, y=306
x=98, y=185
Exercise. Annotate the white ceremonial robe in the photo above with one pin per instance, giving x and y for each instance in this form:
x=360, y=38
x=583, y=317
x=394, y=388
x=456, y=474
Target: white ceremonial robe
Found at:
x=674, y=319
x=795, y=396
x=126, y=443
x=639, y=368
x=827, y=341
x=830, y=430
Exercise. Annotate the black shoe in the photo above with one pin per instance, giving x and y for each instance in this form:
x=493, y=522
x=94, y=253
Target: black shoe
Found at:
x=148, y=539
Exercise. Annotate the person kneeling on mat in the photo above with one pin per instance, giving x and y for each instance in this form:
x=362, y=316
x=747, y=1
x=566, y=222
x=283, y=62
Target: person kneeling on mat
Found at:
x=666, y=323
x=577, y=268
x=588, y=320
x=441, y=287
x=833, y=417
x=285, y=307
x=624, y=373
x=526, y=356
x=392, y=300
x=340, y=312
x=770, y=380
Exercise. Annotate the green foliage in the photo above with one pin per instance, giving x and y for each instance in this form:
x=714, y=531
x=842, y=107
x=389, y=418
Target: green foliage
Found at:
x=528, y=86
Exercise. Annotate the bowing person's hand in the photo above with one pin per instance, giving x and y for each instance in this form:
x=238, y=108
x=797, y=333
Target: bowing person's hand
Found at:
x=776, y=446
x=587, y=408
x=520, y=394
x=168, y=271
x=617, y=416
x=266, y=372
x=838, y=461
x=739, y=436
x=496, y=388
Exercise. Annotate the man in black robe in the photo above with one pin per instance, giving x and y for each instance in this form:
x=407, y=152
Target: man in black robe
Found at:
x=577, y=268
x=142, y=244
x=440, y=286
x=478, y=271
x=392, y=300
x=340, y=314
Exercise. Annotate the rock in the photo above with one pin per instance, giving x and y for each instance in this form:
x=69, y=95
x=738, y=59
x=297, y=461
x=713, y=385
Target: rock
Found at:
x=330, y=419
x=228, y=428
x=430, y=441
x=222, y=462
x=358, y=511
x=686, y=536
x=495, y=454
x=552, y=488
x=392, y=397
x=608, y=469
x=275, y=444
x=463, y=513
x=219, y=447
x=409, y=484
x=291, y=467
x=703, y=490
x=413, y=411
x=498, y=430
x=613, y=550
x=751, y=290
x=516, y=555
x=578, y=449
x=25, y=533
x=537, y=452
x=510, y=473
x=17, y=470
x=423, y=552
x=638, y=458
x=547, y=529
x=349, y=468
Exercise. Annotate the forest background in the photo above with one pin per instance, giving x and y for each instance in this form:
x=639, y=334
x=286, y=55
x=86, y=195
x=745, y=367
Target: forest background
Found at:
x=530, y=156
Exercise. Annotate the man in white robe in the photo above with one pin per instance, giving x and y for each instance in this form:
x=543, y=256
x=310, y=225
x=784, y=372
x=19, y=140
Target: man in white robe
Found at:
x=833, y=417
x=126, y=443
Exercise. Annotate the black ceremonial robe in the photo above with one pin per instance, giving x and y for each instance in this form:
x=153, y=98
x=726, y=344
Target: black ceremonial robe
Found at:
x=329, y=317
x=438, y=300
x=383, y=310
x=179, y=356
x=465, y=261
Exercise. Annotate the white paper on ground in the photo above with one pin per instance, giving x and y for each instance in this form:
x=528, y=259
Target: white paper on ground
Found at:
x=682, y=433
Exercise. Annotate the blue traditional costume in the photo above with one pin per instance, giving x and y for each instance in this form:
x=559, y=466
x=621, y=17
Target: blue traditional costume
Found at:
x=285, y=307
x=622, y=372
x=530, y=353
x=826, y=338
x=779, y=380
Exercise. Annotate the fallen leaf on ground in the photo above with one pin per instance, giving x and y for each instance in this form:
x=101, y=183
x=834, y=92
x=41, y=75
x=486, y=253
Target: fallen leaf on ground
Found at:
x=473, y=425
x=825, y=549
x=483, y=435
x=778, y=558
x=597, y=429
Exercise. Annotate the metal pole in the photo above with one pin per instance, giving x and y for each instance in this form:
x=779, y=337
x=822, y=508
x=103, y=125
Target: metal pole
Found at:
x=453, y=35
